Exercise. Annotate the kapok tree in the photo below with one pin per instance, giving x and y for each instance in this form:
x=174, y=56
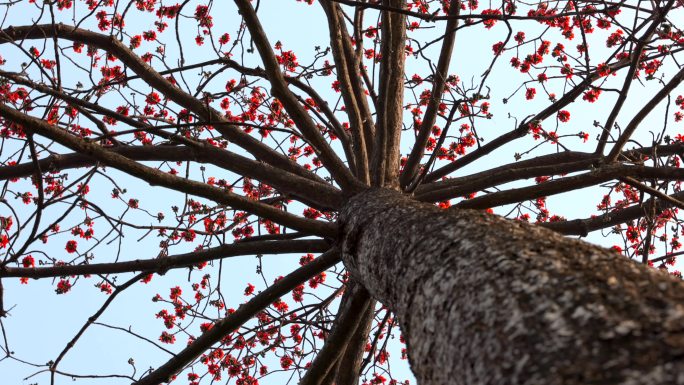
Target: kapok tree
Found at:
x=416, y=142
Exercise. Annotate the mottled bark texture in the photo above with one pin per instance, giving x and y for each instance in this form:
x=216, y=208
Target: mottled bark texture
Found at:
x=484, y=300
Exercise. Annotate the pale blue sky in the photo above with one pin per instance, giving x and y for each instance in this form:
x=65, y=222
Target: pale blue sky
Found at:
x=41, y=322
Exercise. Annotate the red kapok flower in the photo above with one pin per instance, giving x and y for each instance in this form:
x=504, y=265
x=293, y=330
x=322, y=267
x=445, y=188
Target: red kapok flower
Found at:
x=71, y=246
x=153, y=98
x=28, y=261
x=249, y=290
x=563, y=116
x=63, y=286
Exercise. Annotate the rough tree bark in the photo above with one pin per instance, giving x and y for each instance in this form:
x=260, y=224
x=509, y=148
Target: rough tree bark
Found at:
x=484, y=300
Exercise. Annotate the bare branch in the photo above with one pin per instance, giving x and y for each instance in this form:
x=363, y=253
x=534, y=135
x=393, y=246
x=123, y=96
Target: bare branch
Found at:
x=320, y=195
x=119, y=289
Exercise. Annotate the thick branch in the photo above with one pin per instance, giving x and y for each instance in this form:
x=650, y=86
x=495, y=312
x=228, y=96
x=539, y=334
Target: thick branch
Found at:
x=583, y=227
x=360, y=81
x=347, y=72
x=317, y=195
x=523, y=128
x=386, y=151
x=653, y=192
x=544, y=165
x=279, y=89
x=438, y=85
x=357, y=304
x=561, y=185
x=243, y=314
x=349, y=365
x=468, y=184
x=295, y=81
x=156, y=177
x=642, y=114
x=155, y=80
x=163, y=264
x=629, y=77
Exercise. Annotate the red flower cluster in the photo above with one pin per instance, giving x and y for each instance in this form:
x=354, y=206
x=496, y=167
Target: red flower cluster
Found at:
x=152, y=98
x=167, y=338
x=63, y=286
x=71, y=246
x=592, y=95
x=28, y=261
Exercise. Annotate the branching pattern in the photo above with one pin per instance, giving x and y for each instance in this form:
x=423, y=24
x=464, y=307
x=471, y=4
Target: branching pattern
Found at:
x=143, y=137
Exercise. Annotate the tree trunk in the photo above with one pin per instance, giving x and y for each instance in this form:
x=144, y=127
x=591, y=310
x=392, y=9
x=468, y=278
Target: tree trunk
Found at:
x=484, y=300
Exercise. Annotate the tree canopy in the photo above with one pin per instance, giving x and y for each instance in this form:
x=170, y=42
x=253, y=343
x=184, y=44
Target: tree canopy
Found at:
x=149, y=146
